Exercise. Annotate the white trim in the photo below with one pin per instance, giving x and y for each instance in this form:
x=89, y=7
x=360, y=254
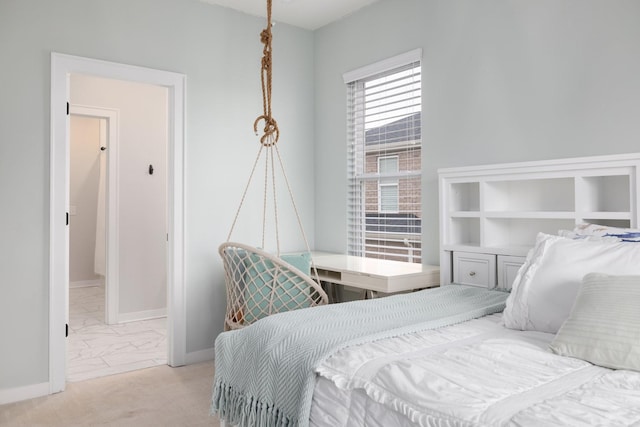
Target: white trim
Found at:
x=142, y=315
x=61, y=67
x=382, y=66
x=112, y=286
x=16, y=394
x=200, y=356
x=85, y=283
x=540, y=165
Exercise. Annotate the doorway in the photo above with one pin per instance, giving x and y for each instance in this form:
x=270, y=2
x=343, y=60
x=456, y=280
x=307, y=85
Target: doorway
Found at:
x=63, y=67
x=116, y=216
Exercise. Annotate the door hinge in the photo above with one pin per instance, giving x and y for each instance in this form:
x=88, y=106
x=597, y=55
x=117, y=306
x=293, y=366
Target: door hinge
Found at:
x=66, y=330
x=67, y=108
x=67, y=218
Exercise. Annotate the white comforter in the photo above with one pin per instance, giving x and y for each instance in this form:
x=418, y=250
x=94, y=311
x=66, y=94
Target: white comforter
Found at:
x=473, y=374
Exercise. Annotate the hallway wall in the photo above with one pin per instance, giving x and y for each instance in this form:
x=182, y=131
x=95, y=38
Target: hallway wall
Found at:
x=83, y=196
x=141, y=197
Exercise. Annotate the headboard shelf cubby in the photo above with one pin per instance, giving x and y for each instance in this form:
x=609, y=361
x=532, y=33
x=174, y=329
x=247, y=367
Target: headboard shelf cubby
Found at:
x=495, y=211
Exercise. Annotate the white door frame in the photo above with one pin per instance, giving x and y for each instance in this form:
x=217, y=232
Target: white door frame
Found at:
x=111, y=287
x=62, y=66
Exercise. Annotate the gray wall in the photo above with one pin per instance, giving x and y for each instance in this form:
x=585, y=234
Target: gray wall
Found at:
x=219, y=51
x=503, y=81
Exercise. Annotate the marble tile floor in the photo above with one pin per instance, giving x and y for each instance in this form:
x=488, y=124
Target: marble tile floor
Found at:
x=95, y=349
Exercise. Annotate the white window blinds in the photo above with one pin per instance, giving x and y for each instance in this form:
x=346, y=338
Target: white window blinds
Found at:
x=384, y=159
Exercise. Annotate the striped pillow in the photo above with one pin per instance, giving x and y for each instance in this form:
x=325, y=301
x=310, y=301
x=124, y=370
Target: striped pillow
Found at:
x=605, y=231
x=604, y=325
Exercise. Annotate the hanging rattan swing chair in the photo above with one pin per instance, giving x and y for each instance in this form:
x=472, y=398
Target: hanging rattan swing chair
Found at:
x=258, y=283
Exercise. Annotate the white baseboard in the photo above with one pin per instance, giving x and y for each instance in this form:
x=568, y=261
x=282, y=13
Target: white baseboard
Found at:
x=85, y=283
x=142, y=315
x=16, y=394
x=199, y=356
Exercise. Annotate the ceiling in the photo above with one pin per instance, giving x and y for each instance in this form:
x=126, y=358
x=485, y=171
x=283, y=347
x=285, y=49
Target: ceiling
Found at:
x=309, y=14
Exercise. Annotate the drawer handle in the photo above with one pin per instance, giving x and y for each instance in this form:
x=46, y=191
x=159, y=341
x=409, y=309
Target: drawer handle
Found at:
x=472, y=273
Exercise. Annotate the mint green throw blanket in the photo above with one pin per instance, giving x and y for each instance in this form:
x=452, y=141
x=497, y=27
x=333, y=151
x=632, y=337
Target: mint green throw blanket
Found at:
x=265, y=373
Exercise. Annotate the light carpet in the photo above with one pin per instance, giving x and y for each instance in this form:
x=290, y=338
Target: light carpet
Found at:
x=158, y=396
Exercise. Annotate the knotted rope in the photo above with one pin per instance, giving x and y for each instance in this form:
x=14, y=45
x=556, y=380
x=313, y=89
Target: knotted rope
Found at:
x=270, y=136
x=271, y=133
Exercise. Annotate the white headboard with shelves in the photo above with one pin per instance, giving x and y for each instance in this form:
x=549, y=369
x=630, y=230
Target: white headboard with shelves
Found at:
x=495, y=211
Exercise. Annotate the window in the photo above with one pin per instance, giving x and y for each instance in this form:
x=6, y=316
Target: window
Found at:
x=388, y=198
x=384, y=159
x=388, y=191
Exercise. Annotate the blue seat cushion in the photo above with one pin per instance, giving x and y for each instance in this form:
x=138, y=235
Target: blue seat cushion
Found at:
x=284, y=291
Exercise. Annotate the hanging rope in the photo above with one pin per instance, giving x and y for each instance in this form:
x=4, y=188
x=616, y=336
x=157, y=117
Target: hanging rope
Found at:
x=247, y=267
x=271, y=133
x=269, y=138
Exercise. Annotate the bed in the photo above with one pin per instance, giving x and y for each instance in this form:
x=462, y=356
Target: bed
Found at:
x=445, y=357
x=474, y=374
x=561, y=348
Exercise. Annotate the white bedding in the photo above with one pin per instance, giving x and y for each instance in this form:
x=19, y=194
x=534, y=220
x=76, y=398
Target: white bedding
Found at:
x=477, y=373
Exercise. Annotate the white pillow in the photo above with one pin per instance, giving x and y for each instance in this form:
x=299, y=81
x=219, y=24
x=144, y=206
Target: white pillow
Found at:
x=604, y=325
x=547, y=284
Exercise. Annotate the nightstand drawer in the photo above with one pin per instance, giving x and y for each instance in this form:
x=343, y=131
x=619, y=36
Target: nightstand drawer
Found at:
x=474, y=269
x=508, y=267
